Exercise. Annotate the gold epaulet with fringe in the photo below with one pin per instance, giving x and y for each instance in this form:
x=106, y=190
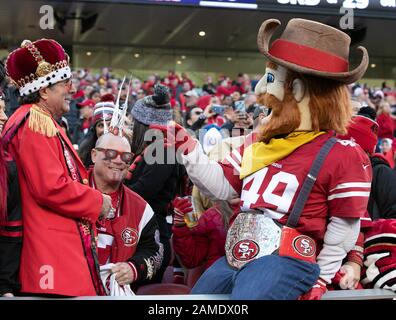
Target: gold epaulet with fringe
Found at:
x=40, y=121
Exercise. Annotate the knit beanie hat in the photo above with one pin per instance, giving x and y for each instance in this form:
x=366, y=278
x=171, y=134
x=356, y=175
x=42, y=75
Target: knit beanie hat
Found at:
x=154, y=109
x=367, y=112
x=104, y=109
x=364, y=132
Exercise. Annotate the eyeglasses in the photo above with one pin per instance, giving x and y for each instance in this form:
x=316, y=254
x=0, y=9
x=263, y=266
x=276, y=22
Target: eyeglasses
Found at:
x=65, y=83
x=197, y=113
x=112, y=154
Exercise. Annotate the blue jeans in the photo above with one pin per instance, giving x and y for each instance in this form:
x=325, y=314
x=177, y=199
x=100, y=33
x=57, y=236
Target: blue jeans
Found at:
x=267, y=278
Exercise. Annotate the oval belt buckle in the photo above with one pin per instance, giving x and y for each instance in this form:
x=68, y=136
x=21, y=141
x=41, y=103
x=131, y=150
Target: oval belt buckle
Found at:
x=251, y=236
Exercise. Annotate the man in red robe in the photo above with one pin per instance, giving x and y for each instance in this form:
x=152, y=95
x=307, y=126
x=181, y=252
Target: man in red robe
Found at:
x=59, y=254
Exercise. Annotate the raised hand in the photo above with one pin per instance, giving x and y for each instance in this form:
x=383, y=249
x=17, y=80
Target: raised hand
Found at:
x=176, y=136
x=182, y=211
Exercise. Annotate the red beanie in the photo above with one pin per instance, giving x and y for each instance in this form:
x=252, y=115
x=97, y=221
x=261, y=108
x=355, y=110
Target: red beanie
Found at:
x=364, y=132
x=105, y=108
x=78, y=94
x=107, y=97
x=203, y=101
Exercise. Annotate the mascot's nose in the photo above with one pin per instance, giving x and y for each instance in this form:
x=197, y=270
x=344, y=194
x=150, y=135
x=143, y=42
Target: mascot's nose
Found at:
x=261, y=86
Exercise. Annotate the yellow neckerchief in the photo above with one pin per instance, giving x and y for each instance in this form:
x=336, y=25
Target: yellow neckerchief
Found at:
x=259, y=155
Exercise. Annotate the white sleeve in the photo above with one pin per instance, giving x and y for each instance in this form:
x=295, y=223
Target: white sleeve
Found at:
x=339, y=239
x=208, y=175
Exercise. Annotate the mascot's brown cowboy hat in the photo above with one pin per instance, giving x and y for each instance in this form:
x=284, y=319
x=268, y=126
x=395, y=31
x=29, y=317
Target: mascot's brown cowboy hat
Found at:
x=312, y=48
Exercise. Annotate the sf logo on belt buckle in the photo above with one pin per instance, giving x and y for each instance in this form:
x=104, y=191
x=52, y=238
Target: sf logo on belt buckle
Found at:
x=245, y=250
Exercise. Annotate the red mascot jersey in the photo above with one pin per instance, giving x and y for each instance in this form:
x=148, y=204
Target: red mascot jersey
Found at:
x=341, y=190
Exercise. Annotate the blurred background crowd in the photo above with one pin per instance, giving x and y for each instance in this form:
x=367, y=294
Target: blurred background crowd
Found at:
x=225, y=103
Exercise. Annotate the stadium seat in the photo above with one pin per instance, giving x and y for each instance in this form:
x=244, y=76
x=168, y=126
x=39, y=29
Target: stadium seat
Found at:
x=168, y=275
x=193, y=275
x=163, y=289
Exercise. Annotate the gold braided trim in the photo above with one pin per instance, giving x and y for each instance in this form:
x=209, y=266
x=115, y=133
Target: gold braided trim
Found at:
x=41, y=122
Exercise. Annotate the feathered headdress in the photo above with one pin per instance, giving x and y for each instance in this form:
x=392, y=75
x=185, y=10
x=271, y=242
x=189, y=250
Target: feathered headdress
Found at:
x=119, y=116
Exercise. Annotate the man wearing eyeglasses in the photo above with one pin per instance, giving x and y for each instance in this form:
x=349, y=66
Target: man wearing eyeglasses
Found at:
x=129, y=236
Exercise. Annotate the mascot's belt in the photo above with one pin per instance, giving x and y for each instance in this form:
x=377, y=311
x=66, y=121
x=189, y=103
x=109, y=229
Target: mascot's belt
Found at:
x=253, y=235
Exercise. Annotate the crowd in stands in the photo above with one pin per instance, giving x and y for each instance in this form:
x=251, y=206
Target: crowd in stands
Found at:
x=192, y=104
x=226, y=109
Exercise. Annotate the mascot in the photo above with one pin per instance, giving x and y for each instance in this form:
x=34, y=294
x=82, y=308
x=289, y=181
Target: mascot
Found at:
x=302, y=190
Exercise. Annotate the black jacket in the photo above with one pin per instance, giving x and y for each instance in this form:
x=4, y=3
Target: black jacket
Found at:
x=12, y=99
x=158, y=183
x=78, y=135
x=86, y=146
x=11, y=235
x=382, y=201
x=73, y=118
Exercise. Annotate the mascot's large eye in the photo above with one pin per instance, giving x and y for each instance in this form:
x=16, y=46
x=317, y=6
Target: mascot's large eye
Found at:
x=270, y=78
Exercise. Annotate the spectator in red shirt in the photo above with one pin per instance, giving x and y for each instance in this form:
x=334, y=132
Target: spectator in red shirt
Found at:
x=223, y=89
x=185, y=78
x=202, y=241
x=385, y=121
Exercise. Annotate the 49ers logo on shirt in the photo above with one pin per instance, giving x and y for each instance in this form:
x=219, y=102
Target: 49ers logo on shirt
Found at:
x=129, y=236
x=245, y=250
x=304, y=245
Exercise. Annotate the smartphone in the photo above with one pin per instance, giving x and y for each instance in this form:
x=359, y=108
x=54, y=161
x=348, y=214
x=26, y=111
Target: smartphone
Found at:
x=240, y=106
x=218, y=109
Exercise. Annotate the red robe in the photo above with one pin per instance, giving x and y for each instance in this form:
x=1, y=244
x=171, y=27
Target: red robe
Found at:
x=52, y=259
